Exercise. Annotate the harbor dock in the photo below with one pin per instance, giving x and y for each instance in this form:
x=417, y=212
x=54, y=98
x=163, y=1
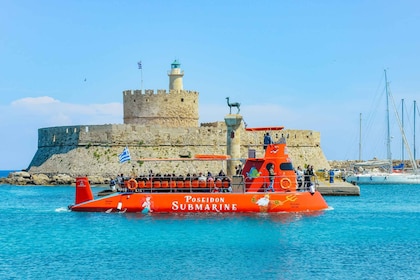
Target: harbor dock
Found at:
x=338, y=188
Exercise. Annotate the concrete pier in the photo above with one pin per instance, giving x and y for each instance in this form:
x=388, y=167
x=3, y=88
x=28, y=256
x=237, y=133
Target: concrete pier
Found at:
x=338, y=188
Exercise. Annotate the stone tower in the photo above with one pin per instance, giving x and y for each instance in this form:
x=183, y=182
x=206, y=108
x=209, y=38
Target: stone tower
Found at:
x=175, y=76
x=176, y=108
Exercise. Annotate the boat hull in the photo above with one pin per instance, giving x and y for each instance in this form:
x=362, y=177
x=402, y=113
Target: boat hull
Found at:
x=384, y=179
x=205, y=202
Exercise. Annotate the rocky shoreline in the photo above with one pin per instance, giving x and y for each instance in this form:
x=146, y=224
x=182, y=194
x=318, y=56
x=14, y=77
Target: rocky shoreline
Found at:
x=23, y=178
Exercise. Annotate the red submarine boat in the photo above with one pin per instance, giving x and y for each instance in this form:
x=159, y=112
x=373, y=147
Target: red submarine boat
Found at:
x=256, y=189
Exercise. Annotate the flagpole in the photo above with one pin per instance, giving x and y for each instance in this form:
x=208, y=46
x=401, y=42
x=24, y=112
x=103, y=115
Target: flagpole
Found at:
x=141, y=73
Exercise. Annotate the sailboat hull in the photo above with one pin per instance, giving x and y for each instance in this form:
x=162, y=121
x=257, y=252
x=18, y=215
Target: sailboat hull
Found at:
x=384, y=179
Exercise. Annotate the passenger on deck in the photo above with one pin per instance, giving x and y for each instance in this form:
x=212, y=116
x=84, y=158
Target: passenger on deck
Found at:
x=120, y=180
x=112, y=186
x=299, y=177
x=267, y=140
x=238, y=169
x=201, y=177
x=194, y=177
x=209, y=176
x=309, y=177
x=271, y=176
x=221, y=175
x=158, y=177
x=188, y=177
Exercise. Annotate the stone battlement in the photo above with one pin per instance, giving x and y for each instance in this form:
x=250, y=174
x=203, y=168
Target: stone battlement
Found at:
x=164, y=109
x=149, y=92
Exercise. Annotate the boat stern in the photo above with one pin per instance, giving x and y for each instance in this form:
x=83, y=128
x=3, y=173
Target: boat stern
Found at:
x=83, y=190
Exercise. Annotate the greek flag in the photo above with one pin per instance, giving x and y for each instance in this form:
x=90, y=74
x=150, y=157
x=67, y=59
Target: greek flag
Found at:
x=125, y=155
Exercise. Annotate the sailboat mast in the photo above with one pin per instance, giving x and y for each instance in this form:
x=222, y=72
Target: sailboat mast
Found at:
x=388, y=141
x=415, y=107
x=402, y=124
x=407, y=147
x=360, y=137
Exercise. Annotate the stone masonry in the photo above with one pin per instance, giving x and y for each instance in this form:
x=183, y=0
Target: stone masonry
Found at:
x=93, y=150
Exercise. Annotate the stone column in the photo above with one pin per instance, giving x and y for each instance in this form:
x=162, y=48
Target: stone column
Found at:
x=233, y=143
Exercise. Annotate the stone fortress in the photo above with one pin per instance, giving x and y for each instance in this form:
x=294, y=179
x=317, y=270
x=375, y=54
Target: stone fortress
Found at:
x=161, y=125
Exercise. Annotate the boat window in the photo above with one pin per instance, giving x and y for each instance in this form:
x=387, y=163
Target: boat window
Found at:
x=286, y=166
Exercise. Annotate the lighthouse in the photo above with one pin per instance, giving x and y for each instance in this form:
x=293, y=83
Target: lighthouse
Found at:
x=175, y=76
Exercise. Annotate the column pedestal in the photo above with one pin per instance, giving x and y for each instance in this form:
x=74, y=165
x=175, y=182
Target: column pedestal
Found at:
x=233, y=143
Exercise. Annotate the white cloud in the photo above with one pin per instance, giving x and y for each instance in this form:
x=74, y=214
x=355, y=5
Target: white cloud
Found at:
x=34, y=101
x=22, y=118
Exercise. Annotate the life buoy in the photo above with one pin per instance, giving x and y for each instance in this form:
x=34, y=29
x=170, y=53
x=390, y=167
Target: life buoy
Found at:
x=132, y=184
x=285, y=183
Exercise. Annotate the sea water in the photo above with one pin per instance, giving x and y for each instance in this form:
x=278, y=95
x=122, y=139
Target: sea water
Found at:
x=373, y=236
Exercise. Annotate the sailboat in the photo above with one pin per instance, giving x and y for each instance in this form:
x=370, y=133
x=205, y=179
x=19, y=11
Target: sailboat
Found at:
x=381, y=172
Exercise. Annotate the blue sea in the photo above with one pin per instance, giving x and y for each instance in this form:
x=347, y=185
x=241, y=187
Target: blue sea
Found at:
x=374, y=236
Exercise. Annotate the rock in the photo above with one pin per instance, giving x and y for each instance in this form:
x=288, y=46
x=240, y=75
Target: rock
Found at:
x=41, y=179
x=63, y=179
x=98, y=180
x=20, y=174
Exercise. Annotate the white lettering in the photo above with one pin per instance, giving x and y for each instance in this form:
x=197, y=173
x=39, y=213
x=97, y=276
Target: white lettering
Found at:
x=203, y=204
x=175, y=205
x=193, y=199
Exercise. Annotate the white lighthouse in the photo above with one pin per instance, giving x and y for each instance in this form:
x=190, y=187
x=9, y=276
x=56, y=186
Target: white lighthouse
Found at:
x=175, y=76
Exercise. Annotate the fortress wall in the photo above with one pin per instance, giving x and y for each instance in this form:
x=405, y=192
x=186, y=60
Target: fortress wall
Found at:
x=96, y=135
x=58, y=136
x=96, y=150
x=167, y=109
x=55, y=140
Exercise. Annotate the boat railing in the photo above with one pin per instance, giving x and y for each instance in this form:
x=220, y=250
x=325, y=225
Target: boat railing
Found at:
x=177, y=184
x=236, y=184
x=263, y=183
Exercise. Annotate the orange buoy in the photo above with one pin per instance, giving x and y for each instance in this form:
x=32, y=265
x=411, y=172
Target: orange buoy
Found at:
x=285, y=183
x=132, y=184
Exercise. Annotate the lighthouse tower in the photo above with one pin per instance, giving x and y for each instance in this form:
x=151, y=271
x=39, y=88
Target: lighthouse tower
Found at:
x=175, y=76
x=176, y=108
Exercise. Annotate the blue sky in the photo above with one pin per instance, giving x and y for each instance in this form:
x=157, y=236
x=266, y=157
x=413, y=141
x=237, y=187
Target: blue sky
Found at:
x=313, y=65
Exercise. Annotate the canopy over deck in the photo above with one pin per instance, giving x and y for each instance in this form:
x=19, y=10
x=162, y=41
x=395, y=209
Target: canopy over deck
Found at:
x=264, y=128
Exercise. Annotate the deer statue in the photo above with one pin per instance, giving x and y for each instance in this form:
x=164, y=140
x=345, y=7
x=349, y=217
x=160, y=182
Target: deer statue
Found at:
x=233, y=104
